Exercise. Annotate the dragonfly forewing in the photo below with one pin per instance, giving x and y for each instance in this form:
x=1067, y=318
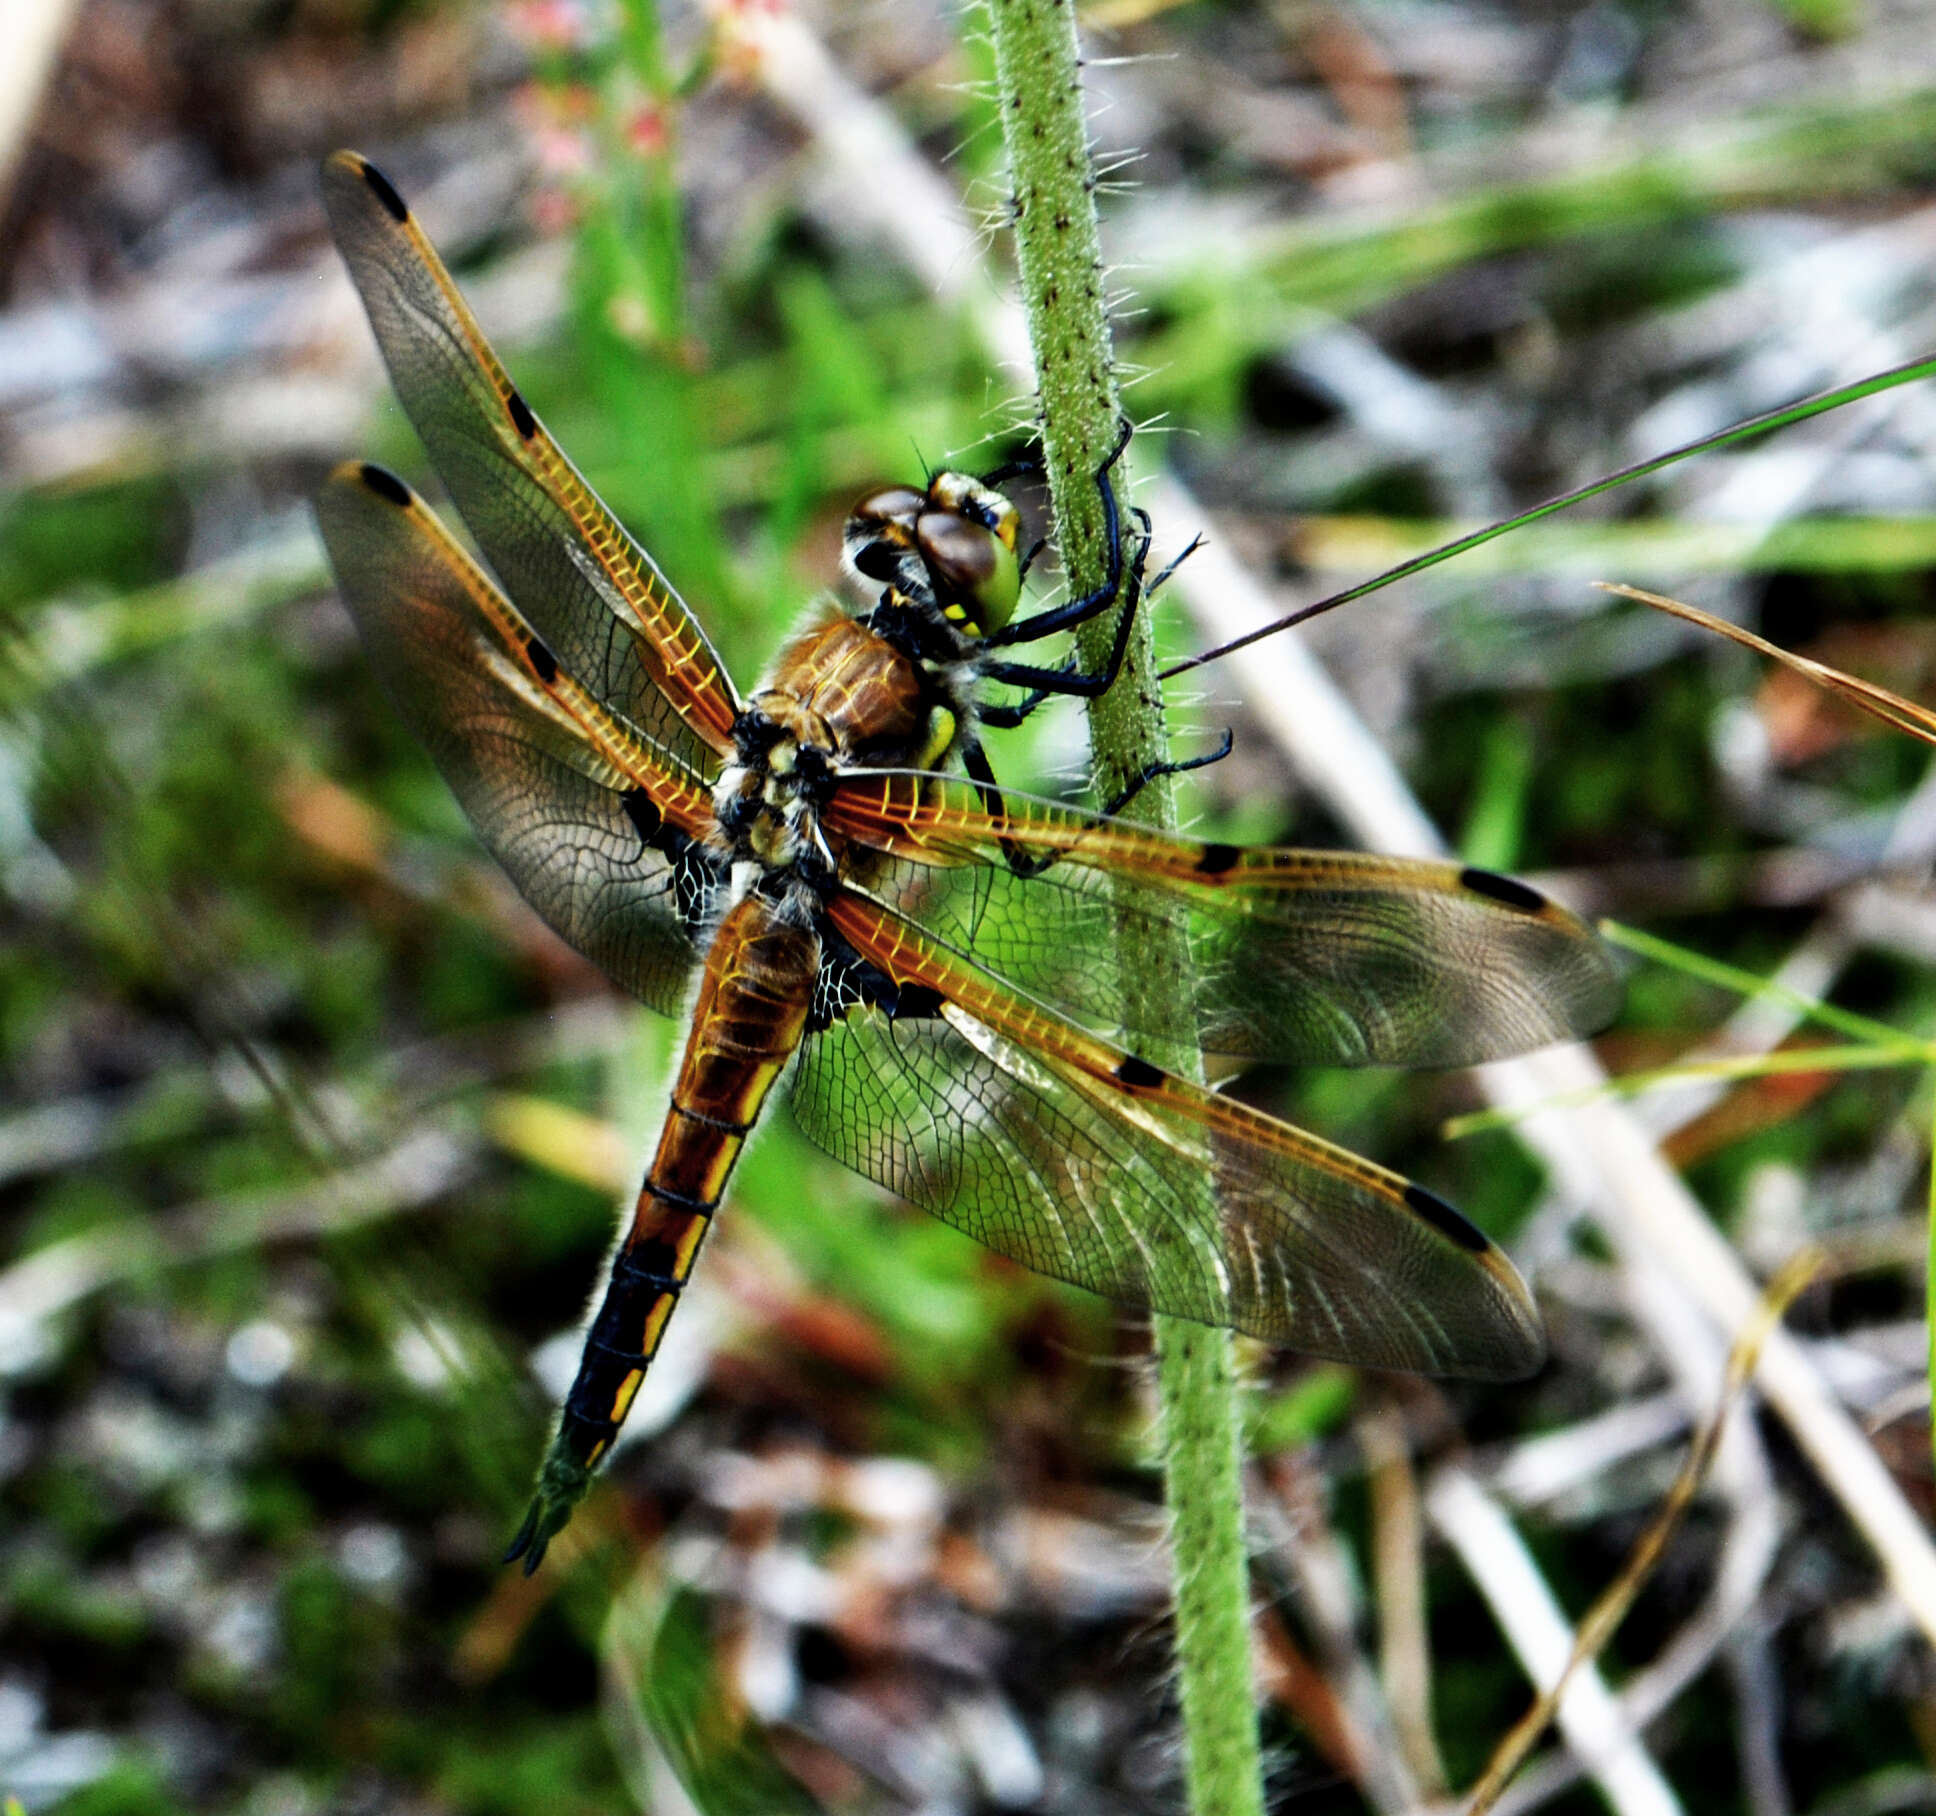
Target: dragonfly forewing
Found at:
x=595, y=596
x=1304, y=957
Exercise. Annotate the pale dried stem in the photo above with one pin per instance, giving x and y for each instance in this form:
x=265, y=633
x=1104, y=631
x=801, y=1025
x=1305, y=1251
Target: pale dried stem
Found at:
x=1398, y=1566
x=36, y=29
x=1613, y=1604
x=1299, y=1530
x=1747, y=1555
x=1536, y=1627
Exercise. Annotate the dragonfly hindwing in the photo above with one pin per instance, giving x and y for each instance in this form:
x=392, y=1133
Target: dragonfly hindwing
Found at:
x=847, y=982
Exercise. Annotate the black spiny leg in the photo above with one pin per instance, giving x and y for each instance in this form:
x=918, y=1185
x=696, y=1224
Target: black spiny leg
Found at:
x=1155, y=771
x=1006, y=718
x=1195, y=543
x=981, y=772
x=1065, y=678
x=1075, y=611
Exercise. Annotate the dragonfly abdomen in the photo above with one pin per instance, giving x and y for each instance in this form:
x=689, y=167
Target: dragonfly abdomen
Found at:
x=751, y=1013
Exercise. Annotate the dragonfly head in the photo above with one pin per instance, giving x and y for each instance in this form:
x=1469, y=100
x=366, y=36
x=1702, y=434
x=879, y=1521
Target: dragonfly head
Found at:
x=951, y=549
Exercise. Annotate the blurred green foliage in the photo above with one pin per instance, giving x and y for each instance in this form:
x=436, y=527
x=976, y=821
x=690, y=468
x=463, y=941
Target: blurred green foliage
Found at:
x=254, y=1012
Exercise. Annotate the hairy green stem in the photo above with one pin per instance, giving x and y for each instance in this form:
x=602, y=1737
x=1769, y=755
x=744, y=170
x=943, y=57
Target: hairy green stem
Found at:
x=1203, y=1483
x=1059, y=254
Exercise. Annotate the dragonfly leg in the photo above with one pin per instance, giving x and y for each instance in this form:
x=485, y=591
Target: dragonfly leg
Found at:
x=1170, y=567
x=1078, y=611
x=1006, y=718
x=982, y=773
x=1155, y=771
x=1030, y=465
x=1066, y=677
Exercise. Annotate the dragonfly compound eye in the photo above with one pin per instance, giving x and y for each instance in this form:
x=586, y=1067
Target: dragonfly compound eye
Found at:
x=880, y=529
x=976, y=576
x=891, y=504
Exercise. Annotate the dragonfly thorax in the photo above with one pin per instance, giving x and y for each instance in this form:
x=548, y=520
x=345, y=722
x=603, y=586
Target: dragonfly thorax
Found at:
x=839, y=696
x=845, y=691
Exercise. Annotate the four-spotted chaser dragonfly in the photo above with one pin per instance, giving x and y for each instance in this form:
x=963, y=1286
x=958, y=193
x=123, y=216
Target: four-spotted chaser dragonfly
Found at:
x=932, y=956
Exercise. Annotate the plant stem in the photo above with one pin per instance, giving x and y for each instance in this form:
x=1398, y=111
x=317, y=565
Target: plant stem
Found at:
x=1203, y=1483
x=1059, y=254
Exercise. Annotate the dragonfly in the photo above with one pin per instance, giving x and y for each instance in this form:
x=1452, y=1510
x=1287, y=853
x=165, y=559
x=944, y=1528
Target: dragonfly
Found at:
x=826, y=879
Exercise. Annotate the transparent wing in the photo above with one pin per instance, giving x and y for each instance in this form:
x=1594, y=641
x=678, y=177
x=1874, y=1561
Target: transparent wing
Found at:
x=593, y=823
x=1056, y=1149
x=1309, y=957
x=593, y=594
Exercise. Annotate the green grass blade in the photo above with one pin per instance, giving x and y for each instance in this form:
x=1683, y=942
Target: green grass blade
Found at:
x=1787, y=1062
x=1906, y=1048
x=1765, y=424
x=665, y=1691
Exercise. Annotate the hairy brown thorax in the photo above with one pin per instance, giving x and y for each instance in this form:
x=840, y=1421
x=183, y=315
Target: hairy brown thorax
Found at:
x=844, y=689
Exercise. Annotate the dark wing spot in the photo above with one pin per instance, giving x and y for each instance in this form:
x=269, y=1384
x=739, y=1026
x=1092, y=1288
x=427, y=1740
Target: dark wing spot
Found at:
x=542, y=660
x=386, y=485
x=1214, y=860
x=644, y=814
x=915, y=1002
x=521, y=418
x=380, y=187
x=1135, y=1071
x=1503, y=889
x=1449, y=1223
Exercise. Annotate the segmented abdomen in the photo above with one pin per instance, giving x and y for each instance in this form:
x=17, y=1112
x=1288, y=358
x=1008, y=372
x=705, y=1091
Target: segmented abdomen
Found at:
x=751, y=1012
